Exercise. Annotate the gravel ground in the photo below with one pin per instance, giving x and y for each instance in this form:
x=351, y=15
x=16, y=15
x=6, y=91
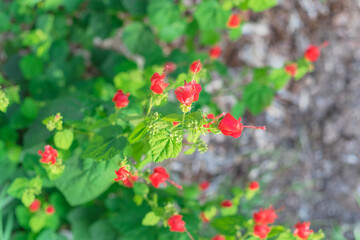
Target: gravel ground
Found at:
x=309, y=157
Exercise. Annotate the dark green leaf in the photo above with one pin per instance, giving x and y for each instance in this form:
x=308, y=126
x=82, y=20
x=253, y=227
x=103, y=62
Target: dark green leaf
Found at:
x=210, y=15
x=228, y=225
x=257, y=97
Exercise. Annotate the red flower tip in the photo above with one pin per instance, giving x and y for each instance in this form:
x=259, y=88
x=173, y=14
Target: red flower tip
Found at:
x=261, y=231
x=49, y=155
x=188, y=93
x=291, y=69
x=50, y=210
x=234, y=21
x=169, y=67
x=226, y=203
x=218, y=237
x=157, y=83
x=159, y=176
x=175, y=123
x=204, y=185
x=121, y=99
x=265, y=216
x=215, y=52
x=35, y=205
x=303, y=230
x=176, y=224
x=203, y=217
x=229, y=126
x=195, y=67
x=254, y=185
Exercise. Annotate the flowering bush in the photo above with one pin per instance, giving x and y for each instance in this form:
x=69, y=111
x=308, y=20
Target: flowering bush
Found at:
x=82, y=125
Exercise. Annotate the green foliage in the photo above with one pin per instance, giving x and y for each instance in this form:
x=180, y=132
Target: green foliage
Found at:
x=165, y=145
x=64, y=139
x=25, y=189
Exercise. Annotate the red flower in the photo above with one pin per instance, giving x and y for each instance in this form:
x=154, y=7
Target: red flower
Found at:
x=175, y=123
x=215, y=52
x=226, y=203
x=121, y=100
x=229, y=126
x=188, y=93
x=195, y=67
x=157, y=83
x=129, y=182
x=49, y=155
x=261, y=231
x=204, y=185
x=234, y=21
x=312, y=53
x=218, y=237
x=265, y=216
x=50, y=210
x=122, y=174
x=254, y=185
x=176, y=224
x=303, y=230
x=291, y=69
x=203, y=217
x=160, y=176
x=35, y=205
x=169, y=67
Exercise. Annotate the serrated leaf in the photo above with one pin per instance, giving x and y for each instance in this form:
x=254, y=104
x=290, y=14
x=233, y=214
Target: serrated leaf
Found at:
x=84, y=180
x=138, y=38
x=64, y=139
x=150, y=219
x=18, y=187
x=138, y=133
x=210, y=15
x=228, y=225
x=257, y=97
x=163, y=146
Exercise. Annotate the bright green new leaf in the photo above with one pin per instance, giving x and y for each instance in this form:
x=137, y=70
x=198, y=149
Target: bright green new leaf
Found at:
x=64, y=139
x=37, y=222
x=279, y=78
x=165, y=145
x=18, y=187
x=276, y=230
x=4, y=101
x=303, y=67
x=150, y=219
x=84, y=180
x=138, y=133
x=228, y=225
x=261, y=5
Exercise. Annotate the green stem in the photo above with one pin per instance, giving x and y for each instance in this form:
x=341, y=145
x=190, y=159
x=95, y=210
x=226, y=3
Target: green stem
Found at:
x=245, y=236
x=150, y=106
x=183, y=120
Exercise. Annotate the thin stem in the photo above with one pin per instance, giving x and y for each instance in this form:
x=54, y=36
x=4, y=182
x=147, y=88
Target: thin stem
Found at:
x=189, y=234
x=175, y=184
x=197, y=65
x=183, y=120
x=150, y=106
x=245, y=236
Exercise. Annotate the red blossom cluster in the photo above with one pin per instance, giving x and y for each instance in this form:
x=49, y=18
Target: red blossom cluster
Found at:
x=262, y=218
x=302, y=230
x=157, y=83
x=49, y=155
x=36, y=204
x=121, y=99
x=126, y=177
x=176, y=223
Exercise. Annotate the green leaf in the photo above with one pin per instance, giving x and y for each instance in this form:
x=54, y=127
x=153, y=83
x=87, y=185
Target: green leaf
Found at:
x=164, y=146
x=4, y=22
x=64, y=139
x=102, y=230
x=257, y=97
x=303, y=67
x=138, y=38
x=209, y=37
x=37, y=222
x=135, y=7
x=238, y=109
x=18, y=187
x=150, y=219
x=29, y=108
x=138, y=133
x=235, y=33
x=23, y=216
x=279, y=78
x=163, y=12
x=50, y=234
x=31, y=66
x=105, y=145
x=173, y=117
x=276, y=230
x=210, y=15
x=286, y=236
x=172, y=31
x=261, y=5
x=228, y=225
x=141, y=189
x=4, y=101
x=84, y=180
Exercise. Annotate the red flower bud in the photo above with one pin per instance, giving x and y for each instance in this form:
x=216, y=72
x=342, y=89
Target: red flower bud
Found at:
x=175, y=123
x=195, y=67
x=204, y=185
x=291, y=69
x=50, y=210
x=254, y=185
x=203, y=217
x=157, y=83
x=215, y=52
x=121, y=100
x=218, y=237
x=234, y=21
x=265, y=216
x=303, y=230
x=261, y=231
x=226, y=203
x=35, y=205
x=312, y=53
x=169, y=67
x=188, y=93
x=49, y=155
x=176, y=224
x=229, y=126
